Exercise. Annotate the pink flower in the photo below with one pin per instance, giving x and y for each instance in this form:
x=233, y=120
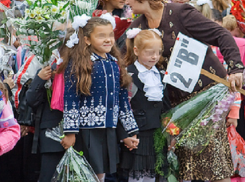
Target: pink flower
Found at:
x=204, y=122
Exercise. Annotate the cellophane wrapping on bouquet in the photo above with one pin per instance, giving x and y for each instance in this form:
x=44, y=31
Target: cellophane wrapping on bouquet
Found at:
x=194, y=122
x=73, y=167
x=237, y=145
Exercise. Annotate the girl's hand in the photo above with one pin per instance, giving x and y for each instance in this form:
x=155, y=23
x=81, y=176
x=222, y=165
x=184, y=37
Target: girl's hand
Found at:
x=235, y=80
x=131, y=142
x=231, y=121
x=68, y=141
x=24, y=130
x=45, y=73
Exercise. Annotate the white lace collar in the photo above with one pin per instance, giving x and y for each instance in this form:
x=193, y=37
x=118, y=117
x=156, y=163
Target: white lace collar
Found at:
x=151, y=79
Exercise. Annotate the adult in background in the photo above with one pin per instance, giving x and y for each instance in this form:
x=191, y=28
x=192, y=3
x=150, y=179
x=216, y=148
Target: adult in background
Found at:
x=170, y=19
x=118, y=9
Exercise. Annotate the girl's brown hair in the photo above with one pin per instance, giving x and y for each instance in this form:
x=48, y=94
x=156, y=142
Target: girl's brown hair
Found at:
x=4, y=91
x=229, y=22
x=154, y=4
x=204, y=9
x=220, y=5
x=140, y=42
x=80, y=57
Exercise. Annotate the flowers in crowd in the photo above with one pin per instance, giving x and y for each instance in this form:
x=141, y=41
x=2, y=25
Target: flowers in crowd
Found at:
x=73, y=166
x=6, y=3
x=46, y=19
x=128, y=13
x=238, y=10
x=39, y=21
x=194, y=122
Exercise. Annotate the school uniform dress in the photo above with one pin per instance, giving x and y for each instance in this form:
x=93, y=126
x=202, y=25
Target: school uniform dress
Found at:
x=148, y=101
x=95, y=117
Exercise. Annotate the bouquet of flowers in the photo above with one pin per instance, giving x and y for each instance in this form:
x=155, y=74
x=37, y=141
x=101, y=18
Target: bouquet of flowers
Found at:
x=73, y=166
x=79, y=7
x=194, y=122
x=38, y=29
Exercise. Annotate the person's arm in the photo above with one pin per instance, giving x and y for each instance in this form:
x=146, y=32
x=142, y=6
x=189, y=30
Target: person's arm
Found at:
x=211, y=33
x=71, y=109
x=126, y=116
x=234, y=111
x=9, y=129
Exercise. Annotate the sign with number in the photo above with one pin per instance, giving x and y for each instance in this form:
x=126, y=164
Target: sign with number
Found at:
x=185, y=63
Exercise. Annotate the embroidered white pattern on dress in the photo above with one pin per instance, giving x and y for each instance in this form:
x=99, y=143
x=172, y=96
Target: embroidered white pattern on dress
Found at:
x=127, y=118
x=71, y=116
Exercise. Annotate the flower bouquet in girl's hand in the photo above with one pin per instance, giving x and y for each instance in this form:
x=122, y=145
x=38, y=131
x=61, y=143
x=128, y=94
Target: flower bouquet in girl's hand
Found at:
x=73, y=166
x=194, y=122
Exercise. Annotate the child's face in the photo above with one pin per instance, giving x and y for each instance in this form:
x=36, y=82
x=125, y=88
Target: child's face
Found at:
x=150, y=55
x=101, y=39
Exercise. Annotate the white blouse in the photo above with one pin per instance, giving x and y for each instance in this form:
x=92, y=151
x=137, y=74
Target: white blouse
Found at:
x=151, y=79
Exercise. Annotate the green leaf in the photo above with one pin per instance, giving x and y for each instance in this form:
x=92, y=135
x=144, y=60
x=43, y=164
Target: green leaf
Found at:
x=29, y=2
x=56, y=46
x=67, y=4
x=172, y=178
x=47, y=4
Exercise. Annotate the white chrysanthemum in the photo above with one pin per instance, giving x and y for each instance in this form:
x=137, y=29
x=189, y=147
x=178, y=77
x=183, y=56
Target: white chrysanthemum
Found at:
x=38, y=11
x=54, y=9
x=63, y=14
x=32, y=15
x=61, y=5
x=27, y=11
x=39, y=18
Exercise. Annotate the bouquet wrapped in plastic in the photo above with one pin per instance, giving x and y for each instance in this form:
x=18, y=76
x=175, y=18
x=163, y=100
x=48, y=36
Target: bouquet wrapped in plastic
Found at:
x=237, y=145
x=194, y=122
x=73, y=167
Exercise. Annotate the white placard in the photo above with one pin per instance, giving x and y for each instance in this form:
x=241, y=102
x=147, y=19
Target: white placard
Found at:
x=185, y=63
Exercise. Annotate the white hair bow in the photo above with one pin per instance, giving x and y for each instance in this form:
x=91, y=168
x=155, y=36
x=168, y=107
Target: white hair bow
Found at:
x=110, y=18
x=131, y=33
x=202, y=2
x=80, y=21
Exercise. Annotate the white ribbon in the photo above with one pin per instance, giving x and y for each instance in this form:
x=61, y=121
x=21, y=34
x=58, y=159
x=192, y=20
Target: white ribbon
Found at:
x=202, y=2
x=110, y=18
x=80, y=21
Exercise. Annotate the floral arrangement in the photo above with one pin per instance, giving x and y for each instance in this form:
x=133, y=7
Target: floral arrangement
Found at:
x=73, y=166
x=44, y=20
x=194, y=122
x=80, y=7
x=238, y=11
x=39, y=25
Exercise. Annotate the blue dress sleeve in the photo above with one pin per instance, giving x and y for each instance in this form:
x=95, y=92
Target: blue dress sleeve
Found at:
x=71, y=103
x=125, y=112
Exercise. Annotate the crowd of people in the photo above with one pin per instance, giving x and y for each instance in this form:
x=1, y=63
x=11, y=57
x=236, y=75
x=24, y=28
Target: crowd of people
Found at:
x=108, y=91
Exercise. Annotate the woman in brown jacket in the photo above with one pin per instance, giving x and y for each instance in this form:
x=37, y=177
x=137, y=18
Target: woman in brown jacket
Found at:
x=214, y=163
